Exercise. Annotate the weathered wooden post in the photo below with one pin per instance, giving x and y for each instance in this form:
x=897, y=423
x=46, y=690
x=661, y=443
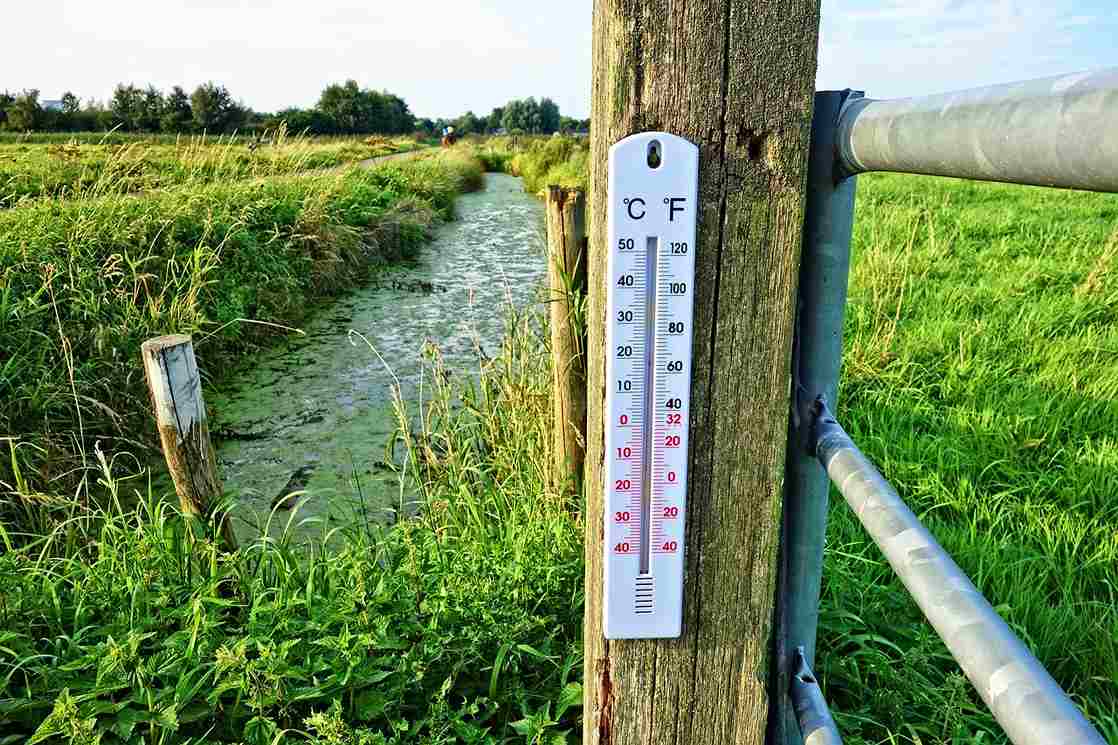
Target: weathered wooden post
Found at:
x=180, y=414
x=566, y=248
x=735, y=77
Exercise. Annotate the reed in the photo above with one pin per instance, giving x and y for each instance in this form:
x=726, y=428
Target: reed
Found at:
x=85, y=168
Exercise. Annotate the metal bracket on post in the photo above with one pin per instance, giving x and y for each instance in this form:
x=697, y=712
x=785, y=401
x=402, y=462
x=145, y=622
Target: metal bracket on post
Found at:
x=817, y=355
x=817, y=727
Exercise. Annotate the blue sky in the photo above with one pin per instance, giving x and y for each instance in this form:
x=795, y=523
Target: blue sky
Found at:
x=447, y=56
x=893, y=48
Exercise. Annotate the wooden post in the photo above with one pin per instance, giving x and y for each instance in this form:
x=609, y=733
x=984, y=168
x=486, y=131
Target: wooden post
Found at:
x=566, y=248
x=180, y=414
x=735, y=77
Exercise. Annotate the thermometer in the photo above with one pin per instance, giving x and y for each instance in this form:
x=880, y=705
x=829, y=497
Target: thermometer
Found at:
x=653, y=187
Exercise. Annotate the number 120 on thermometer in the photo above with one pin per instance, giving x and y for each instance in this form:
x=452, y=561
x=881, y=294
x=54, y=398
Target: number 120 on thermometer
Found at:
x=653, y=185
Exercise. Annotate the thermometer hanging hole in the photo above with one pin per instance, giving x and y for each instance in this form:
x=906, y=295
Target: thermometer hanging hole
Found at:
x=655, y=155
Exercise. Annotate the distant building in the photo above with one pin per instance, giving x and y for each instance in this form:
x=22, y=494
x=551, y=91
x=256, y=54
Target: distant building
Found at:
x=52, y=105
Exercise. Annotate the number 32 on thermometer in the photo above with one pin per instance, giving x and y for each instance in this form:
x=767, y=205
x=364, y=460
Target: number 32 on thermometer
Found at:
x=653, y=185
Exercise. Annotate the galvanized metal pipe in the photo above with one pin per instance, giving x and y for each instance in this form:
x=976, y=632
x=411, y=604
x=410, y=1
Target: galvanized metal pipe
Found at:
x=817, y=727
x=1060, y=131
x=1026, y=701
x=824, y=268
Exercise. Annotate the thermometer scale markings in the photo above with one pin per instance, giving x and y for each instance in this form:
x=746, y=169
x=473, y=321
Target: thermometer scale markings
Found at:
x=651, y=225
x=650, y=260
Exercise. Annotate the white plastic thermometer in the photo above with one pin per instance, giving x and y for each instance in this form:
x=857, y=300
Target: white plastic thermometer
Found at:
x=653, y=185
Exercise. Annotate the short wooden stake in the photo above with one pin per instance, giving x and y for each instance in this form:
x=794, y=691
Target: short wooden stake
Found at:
x=180, y=414
x=566, y=248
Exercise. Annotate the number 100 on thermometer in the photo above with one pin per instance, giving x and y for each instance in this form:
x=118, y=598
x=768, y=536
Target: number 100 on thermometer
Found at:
x=653, y=185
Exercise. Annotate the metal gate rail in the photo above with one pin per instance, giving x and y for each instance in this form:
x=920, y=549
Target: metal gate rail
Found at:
x=1060, y=132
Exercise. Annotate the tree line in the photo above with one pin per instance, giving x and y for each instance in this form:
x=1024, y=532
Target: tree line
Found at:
x=209, y=108
x=342, y=109
x=519, y=116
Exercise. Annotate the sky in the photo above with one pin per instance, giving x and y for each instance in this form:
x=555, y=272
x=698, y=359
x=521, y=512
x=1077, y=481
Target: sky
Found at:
x=447, y=56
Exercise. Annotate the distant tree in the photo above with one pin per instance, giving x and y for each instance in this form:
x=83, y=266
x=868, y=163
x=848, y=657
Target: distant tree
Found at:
x=71, y=104
x=468, y=123
x=514, y=117
x=151, y=109
x=6, y=101
x=177, y=114
x=127, y=106
x=528, y=116
x=214, y=110
x=25, y=113
x=493, y=121
x=534, y=115
x=89, y=118
x=549, y=116
x=309, y=121
x=398, y=118
x=359, y=110
x=351, y=107
x=426, y=126
x=65, y=118
x=103, y=114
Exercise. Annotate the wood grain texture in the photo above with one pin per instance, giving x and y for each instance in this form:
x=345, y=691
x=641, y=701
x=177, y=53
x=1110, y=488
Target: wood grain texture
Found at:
x=736, y=77
x=566, y=249
x=180, y=414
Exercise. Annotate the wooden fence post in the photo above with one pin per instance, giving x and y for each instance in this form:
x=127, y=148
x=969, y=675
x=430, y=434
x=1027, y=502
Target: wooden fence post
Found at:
x=180, y=414
x=736, y=77
x=566, y=249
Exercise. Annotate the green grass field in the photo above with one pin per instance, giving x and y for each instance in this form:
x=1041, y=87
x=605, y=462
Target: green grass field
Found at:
x=87, y=167
x=981, y=374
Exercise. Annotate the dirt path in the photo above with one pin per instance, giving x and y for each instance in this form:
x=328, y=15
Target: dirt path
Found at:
x=371, y=162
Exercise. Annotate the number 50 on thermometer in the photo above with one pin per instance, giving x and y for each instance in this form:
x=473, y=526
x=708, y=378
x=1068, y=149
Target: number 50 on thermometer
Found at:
x=653, y=185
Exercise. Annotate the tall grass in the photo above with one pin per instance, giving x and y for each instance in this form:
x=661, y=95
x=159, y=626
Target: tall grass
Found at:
x=460, y=626
x=981, y=374
x=77, y=168
x=540, y=161
x=84, y=282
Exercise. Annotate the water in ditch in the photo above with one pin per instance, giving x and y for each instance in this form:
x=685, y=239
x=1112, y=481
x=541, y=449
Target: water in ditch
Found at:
x=315, y=414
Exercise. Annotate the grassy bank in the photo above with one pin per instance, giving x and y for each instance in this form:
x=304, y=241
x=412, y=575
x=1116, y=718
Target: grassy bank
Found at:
x=540, y=161
x=84, y=282
x=76, y=168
